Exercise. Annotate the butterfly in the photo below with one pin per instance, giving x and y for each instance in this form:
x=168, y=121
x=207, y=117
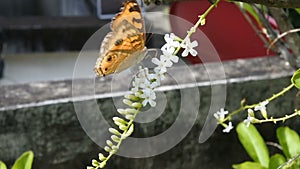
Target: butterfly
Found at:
x=124, y=46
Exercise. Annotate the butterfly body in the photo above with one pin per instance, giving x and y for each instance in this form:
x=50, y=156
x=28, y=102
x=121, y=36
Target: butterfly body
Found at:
x=124, y=46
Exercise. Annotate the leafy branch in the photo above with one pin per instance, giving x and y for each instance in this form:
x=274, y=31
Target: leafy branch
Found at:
x=223, y=116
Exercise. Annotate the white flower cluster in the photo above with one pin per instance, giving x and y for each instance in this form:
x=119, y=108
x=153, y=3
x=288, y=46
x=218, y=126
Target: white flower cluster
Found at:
x=143, y=86
x=220, y=116
x=260, y=107
x=172, y=42
x=143, y=93
x=145, y=83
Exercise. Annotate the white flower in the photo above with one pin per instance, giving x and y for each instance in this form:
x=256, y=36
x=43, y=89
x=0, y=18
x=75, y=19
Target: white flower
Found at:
x=261, y=106
x=171, y=43
x=139, y=81
x=160, y=74
x=228, y=128
x=220, y=115
x=149, y=97
x=249, y=118
x=161, y=64
x=169, y=58
x=148, y=84
x=136, y=84
x=155, y=78
x=143, y=72
x=188, y=47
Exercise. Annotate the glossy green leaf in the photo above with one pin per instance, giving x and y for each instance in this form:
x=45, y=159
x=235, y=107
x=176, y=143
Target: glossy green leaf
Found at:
x=251, y=11
x=298, y=10
x=2, y=165
x=289, y=141
x=24, y=161
x=276, y=160
x=248, y=165
x=253, y=143
x=296, y=79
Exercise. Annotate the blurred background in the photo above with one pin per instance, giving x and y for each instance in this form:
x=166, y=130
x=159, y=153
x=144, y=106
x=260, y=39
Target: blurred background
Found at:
x=40, y=39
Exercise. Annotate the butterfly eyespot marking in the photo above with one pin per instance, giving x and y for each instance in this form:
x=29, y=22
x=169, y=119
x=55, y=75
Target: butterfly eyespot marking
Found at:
x=119, y=42
x=109, y=58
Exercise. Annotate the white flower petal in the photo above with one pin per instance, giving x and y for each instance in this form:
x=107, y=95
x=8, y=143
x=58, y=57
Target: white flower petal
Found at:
x=175, y=59
x=145, y=102
x=155, y=61
x=152, y=103
x=228, y=128
x=194, y=44
x=170, y=43
x=185, y=53
x=193, y=52
x=167, y=37
x=248, y=120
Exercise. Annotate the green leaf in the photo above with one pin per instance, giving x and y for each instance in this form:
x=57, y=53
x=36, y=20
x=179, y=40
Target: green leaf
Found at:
x=251, y=11
x=296, y=79
x=289, y=141
x=253, y=143
x=276, y=160
x=248, y=165
x=2, y=165
x=298, y=10
x=24, y=161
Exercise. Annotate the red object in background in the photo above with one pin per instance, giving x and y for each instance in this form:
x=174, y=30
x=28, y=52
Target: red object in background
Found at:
x=226, y=27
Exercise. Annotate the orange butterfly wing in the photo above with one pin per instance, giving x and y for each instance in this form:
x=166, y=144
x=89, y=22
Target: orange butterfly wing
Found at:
x=125, y=45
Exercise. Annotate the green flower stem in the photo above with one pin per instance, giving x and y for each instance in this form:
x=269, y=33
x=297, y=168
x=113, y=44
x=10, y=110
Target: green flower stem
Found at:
x=275, y=120
x=245, y=107
x=232, y=114
x=122, y=137
x=198, y=23
x=209, y=9
x=281, y=92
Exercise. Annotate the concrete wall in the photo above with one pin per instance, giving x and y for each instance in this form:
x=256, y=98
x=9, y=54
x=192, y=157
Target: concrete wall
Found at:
x=41, y=117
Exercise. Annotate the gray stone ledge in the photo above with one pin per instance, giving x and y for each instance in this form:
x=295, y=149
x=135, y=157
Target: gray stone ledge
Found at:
x=42, y=117
x=55, y=92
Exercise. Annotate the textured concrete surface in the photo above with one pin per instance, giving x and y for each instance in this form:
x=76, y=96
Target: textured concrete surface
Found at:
x=41, y=117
